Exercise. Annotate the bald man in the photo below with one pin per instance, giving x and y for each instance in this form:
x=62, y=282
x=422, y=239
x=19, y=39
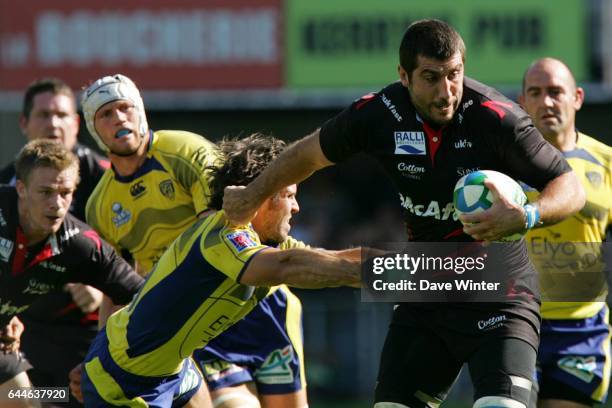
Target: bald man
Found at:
x=574, y=352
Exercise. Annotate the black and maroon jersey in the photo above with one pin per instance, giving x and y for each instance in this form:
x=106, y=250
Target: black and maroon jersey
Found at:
x=488, y=132
x=74, y=254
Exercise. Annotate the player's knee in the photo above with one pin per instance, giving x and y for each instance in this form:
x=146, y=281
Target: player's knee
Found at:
x=390, y=405
x=236, y=399
x=498, y=402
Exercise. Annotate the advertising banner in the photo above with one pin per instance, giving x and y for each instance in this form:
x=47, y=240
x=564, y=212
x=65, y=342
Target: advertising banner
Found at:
x=170, y=45
x=344, y=43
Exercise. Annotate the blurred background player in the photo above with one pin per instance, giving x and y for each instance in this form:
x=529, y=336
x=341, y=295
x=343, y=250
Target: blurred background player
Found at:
x=436, y=120
x=156, y=189
x=62, y=325
x=574, y=352
x=44, y=247
x=210, y=277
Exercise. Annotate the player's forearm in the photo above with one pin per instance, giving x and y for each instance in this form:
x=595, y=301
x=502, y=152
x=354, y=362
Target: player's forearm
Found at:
x=293, y=165
x=562, y=197
x=313, y=269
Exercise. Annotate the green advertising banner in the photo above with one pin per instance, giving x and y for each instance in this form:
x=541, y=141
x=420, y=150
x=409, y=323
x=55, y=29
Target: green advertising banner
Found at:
x=348, y=43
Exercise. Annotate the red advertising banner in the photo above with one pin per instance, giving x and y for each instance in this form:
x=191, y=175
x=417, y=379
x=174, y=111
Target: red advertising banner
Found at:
x=161, y=44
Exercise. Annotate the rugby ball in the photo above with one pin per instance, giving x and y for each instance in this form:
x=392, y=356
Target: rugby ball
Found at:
x=472, y=196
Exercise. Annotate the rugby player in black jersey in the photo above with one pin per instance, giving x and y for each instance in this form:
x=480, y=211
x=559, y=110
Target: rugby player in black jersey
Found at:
x=43, y=247
x=61, y=325
x=427, y=130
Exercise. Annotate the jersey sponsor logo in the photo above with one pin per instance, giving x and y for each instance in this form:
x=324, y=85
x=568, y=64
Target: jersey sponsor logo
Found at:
x=36, y=287
x=276, y=368
x=594, y=178
x=122, y=216
x=581, y=367
x=463, y=144
x=69, y=233
x=137, y=189
x=167, y=189
x=410, y=170
x=462, y=171
x=241, y=240
x=391, y=107
x=432, y=209
x=467, y=105
x=6, y=248
x=412, y=143
x=491, y=323
x=2, y=220
x=53, y=267
x=8, y=308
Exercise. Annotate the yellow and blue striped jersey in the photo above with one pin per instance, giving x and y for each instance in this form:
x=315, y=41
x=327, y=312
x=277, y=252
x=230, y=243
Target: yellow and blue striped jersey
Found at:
x=143, y=213
x=573, y=245
x=191, y=296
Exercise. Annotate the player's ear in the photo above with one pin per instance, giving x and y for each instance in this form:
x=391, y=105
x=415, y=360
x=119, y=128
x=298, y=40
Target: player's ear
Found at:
x=403, y=75
x=578, y=98
x=23, y=123
x=20, y=187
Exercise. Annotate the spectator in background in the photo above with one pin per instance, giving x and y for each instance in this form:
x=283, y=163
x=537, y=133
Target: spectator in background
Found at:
x=61, y=325
x=574, y=352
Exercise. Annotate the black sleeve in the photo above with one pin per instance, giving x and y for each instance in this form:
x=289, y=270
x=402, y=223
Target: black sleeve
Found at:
x=108, y=271
x=7, y=174
x=347, y=133
x=525, y=154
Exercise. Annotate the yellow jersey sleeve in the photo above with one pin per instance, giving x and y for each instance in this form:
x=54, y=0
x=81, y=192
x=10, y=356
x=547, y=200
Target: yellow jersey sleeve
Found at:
x=229, y=249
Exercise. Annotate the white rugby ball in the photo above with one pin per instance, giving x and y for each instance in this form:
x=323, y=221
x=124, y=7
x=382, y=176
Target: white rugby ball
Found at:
x=472, y=196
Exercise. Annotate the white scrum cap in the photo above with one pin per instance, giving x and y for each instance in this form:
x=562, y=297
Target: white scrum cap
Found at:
x=109, y=89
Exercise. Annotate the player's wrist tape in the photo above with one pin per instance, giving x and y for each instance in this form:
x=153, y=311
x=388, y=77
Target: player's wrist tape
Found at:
x=532, y=216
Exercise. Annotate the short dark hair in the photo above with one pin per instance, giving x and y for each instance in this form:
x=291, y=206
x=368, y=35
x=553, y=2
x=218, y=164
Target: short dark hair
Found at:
x=44, y=153
x=54, y=85
x=429, y=38
x=243, y=160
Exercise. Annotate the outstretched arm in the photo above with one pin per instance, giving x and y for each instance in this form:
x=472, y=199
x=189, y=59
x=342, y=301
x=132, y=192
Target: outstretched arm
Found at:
x=294, y=165
x=303, y=268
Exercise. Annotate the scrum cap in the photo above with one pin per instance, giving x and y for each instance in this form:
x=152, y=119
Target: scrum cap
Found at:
x=110, y=89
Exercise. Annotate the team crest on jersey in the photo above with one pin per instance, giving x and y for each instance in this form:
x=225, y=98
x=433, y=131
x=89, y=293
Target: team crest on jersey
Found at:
x=276, y=369
x=122, y=216
x=581, y=367
x=412, y=143
x=241, y=240
x=137, y=189
x=6, y=248
x=167, y=189
x=594, y=178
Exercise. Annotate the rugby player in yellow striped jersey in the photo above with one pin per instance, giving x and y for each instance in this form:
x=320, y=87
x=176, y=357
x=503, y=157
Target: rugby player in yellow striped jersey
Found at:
x=207, y=280
x=574, y=353
x=157, y=187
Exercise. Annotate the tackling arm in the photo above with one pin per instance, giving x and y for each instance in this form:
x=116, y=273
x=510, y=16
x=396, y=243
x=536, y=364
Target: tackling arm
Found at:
x=303, y=268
